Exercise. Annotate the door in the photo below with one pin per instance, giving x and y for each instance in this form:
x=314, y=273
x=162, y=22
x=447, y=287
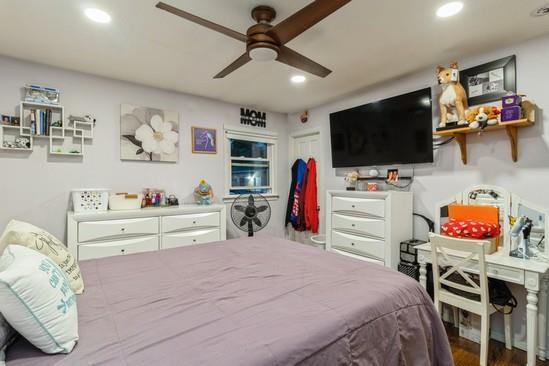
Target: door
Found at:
x=305, y=145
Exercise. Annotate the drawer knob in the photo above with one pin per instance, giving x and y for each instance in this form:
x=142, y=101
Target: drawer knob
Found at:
x=353, y=225
x=353, y=206
x=194, y=240
x=123, y=229
x=123, y=251
x=194, y=222
x=352, y=243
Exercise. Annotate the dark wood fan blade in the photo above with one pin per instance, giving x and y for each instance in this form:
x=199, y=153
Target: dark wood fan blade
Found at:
x=239, y=62
x=203, y=22
x=257, y=222
x=304, y=19
x=290, y=57
x=262, y=208
x=244, y=221
x=251, y=200
x=240, y=208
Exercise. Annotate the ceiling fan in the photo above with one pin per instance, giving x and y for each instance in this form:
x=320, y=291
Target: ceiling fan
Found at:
x=265, y=42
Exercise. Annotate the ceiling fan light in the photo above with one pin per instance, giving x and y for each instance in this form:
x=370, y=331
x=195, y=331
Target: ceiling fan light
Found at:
x=263, y=54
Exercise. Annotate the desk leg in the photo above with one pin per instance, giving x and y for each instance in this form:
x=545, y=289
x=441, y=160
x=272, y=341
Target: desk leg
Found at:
x=542, y=322
x=423, y=274
x=531, y=326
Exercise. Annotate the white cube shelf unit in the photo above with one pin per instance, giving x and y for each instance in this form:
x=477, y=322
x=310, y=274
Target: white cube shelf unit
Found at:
x=65, y=137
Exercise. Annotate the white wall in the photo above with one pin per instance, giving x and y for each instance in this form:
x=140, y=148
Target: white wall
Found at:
x=489, y=155
x=35, y=187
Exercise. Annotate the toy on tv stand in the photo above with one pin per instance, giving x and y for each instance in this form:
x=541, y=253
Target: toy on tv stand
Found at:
x=453, y=100
x=351, y=178
x=203, y=194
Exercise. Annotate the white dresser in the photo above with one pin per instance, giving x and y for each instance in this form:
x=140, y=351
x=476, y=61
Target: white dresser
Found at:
x=368, y=225
x=104, y=234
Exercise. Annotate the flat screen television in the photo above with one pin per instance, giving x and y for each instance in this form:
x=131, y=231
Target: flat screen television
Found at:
x=396, y=130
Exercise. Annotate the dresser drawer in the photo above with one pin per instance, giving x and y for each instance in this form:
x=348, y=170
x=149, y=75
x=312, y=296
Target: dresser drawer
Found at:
x=172, y=224
x=112, y=229
x=186, y=238
x=119, y=247
x=370, y=247
x=372, y=207
x=371, y=227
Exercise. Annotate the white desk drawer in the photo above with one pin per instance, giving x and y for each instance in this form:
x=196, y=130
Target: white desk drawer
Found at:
x=186, y=238
x=370, y=247
x=119, y=247
x=172, y=224
x=373, y=227
x=368, y=206
x=104, y=230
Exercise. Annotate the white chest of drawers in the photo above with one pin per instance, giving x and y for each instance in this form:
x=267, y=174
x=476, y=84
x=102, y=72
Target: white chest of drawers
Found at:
x=110, y=233
x=368, y=225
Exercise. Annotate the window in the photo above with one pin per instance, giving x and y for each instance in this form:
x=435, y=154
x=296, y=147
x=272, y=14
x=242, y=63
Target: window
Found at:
x=250, y=162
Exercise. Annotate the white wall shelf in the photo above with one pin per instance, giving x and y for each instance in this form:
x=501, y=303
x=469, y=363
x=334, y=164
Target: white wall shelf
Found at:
x=65, y=140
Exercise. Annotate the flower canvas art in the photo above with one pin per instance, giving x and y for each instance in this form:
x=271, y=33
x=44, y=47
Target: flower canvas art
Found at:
x=148, y=134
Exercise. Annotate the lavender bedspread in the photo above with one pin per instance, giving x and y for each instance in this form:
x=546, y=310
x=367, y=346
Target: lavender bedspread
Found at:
x=248, y=302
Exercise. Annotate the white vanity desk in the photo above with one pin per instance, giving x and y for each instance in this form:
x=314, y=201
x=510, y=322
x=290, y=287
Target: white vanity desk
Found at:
x=531, y=274
x=528, y=273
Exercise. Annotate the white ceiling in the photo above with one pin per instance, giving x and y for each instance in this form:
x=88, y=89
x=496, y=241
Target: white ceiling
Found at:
x=365, y=42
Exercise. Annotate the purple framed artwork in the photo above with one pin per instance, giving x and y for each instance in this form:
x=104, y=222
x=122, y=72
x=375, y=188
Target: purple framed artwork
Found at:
x=204, y=140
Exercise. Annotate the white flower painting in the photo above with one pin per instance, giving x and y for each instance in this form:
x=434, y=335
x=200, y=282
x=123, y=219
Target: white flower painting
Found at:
x=148, y=134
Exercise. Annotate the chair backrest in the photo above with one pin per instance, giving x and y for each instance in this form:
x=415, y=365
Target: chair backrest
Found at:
x=471, y=256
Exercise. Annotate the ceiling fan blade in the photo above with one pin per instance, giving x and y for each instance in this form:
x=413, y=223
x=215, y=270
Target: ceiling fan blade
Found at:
x=239, y=62
x=203, y=22
x=304, y=19
x=257, y=222
x=244, y=221
x=251, y=200
x=290, y=57
x=262, y=208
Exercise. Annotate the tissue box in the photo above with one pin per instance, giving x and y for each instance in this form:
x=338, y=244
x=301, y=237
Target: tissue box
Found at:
x=510, y=101
x=510, y=113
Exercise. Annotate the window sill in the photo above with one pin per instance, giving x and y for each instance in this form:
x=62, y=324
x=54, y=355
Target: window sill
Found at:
x=268, y=197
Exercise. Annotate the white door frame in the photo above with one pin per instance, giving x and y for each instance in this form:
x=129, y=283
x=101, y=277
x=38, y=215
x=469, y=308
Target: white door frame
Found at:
x=319, y=177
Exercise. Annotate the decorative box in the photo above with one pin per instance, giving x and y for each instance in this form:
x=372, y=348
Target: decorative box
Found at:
x=125, y=201
x=510, y=113
x=510, y=101
x=90, y=200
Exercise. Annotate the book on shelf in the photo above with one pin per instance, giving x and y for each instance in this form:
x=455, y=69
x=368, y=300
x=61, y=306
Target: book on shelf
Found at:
x=40, y=122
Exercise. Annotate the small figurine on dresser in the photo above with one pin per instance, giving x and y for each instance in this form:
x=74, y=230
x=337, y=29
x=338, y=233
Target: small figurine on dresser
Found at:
x=203, y=193
x=351, y=178
x=453, y=100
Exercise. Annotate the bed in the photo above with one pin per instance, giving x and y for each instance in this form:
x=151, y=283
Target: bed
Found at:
x=252, y=301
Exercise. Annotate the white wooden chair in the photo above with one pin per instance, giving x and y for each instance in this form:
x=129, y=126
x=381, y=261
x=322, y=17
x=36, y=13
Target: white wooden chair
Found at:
x=471, y=256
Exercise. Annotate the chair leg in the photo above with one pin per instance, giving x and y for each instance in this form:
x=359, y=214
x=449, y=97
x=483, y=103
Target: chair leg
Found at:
x=456, y=316
x=508, y=329
x=484, y=338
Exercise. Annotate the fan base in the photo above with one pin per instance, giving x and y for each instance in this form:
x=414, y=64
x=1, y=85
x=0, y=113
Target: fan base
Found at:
x=263, y=14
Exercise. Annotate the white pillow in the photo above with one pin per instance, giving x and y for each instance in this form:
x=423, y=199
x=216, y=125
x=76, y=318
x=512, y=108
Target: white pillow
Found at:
x=33, y=237
x=37, y=300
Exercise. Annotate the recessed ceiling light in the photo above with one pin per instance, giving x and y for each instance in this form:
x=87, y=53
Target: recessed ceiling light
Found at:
x=98, y=15
x=450, y=9
x=298, y=79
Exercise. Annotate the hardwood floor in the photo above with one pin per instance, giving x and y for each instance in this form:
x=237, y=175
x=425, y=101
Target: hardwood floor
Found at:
x=466, y=353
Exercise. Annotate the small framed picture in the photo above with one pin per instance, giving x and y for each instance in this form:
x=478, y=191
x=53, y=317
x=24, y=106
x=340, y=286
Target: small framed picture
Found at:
x=392, y=175
x=6, y=120
x=15, y=121
x=204, y=140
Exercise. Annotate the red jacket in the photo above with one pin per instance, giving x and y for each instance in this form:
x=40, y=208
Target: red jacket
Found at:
x=310, y=198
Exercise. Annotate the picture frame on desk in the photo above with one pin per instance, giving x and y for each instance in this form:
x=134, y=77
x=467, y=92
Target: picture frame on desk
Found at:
x=490, y=81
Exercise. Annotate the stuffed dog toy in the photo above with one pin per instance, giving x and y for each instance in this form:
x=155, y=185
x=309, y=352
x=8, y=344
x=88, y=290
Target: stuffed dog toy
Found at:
x=453, y=101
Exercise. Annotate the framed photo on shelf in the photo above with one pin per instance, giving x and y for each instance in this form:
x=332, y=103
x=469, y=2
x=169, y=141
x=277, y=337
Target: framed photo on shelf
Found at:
x=204, y=140
x=6, y=120
x=491, y=81
x=15, y=121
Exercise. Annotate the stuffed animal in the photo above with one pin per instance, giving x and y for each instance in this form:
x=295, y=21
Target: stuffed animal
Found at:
x=453, y=101
x=482, y=116
x=203, y=194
